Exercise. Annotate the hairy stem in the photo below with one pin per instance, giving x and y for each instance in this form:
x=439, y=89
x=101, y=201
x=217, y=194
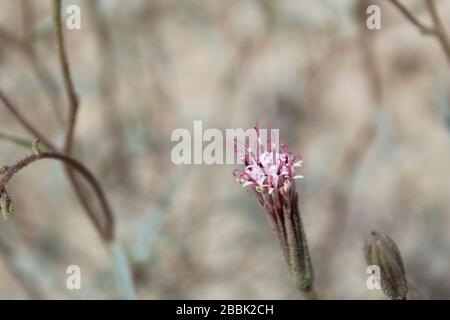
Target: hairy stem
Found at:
x=71, y=177
x=75, y=165
x=72, y=166
x=121, y=267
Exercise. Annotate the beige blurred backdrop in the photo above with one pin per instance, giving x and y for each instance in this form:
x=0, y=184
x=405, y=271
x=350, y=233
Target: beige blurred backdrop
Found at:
x=369, y=111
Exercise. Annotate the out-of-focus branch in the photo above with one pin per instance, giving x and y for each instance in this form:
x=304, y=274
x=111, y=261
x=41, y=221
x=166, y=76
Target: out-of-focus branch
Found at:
x=72, y=166
x=40, y=72
x=75, y=165
x=28, y=17
x=108, y=82
x=437, y=30
x=8, y=38
x=440, y=31
x=408, y=15
x=24, y=122
x=67, y=77
x=354, y=153
x=15, y=140
x=73, y=104
x=72, y=179
x=16, y=269
x=73, y=109
x=121, y=267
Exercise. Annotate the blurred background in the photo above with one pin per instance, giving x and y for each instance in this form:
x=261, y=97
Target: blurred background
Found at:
x=369, y=111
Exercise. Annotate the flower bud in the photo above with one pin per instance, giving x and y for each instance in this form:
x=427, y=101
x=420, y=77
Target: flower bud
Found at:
x=382, y=251
x=36, y=146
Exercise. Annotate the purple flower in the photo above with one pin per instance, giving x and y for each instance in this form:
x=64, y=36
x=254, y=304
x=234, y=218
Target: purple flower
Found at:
x=266, y=168
x=271, y=174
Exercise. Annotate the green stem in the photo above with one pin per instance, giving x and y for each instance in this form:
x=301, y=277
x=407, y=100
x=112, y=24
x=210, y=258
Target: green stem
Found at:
x=122, y=270
x=16, y=140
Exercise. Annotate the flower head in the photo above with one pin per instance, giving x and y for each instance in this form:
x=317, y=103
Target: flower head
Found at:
x=271, y=173
x=267, y=168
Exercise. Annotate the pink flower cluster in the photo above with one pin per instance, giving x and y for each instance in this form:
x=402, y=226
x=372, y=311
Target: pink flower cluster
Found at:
x=267, y=168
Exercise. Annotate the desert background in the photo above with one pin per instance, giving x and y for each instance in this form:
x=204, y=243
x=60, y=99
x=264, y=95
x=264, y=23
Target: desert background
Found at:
x=368, y=110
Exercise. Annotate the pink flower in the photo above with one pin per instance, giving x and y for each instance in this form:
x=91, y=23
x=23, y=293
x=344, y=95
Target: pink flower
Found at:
x=267, y=168
x=271, y=173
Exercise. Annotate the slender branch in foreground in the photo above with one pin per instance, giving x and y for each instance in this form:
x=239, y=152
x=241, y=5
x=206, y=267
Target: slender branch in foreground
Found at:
x=72, y=166
x=68, y=83
x=72, y=179
x=73, y=108
x=124, y=278
x=107, y=233
x=44, y=141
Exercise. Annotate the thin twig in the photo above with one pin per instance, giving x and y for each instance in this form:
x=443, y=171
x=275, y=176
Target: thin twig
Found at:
x=16, y=140
x=72, y=179
x=72, y=166
x=40, y=72
x=73, y=108
x=423, y=28
x=354, y=153
x=441, y=33
x=21, y=276
x=107, y=78
x=7, y=37
x=28, y=18
x=45, y=79
x=437, y=30
x=67, y=77
x=75, y=165
x=24, y=122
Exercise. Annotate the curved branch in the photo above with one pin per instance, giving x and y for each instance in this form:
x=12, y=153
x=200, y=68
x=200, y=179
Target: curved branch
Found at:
x=71, y=177
x=107, y=234
x=73, y=107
